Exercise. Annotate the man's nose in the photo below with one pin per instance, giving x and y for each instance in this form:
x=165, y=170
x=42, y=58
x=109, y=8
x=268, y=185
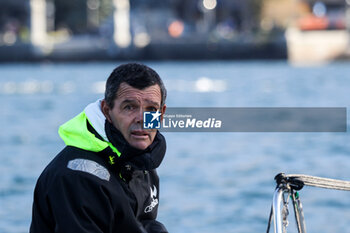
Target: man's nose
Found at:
x=139, y=116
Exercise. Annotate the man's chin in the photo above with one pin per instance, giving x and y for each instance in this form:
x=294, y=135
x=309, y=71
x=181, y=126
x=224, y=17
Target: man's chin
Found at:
x=141, y=145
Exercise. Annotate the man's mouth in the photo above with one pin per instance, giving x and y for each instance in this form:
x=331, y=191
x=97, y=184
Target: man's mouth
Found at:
x=139, y=134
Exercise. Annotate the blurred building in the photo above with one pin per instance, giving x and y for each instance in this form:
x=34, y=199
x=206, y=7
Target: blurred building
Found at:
x=316, y=30
x=14, y=24
x=103, y=29
x=304, y=14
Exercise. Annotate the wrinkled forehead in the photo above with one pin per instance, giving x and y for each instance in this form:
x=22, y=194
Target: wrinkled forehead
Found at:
x=149, y=94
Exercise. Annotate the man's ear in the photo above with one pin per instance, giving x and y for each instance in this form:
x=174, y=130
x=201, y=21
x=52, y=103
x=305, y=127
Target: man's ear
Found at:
x=162, y=111
x=105, y=110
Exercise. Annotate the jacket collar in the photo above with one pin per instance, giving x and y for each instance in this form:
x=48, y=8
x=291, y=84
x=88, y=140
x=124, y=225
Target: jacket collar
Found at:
x=147, y=159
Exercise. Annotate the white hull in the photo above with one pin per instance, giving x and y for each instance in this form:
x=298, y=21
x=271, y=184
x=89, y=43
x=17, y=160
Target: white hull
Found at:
x=322, y=46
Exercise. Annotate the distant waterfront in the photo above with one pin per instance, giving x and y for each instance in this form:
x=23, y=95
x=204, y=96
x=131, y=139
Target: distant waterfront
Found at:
x=88, y=48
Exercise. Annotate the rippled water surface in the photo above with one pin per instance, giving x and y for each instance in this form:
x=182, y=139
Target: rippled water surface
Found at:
x=210, y=182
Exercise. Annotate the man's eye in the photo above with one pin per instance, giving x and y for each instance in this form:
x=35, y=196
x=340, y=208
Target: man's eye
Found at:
x=152, y=109
x=128, y=107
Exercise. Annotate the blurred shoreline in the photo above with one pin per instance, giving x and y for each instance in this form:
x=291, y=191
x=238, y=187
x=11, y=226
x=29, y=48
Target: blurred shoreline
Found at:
x=301, y=32
x=90, y=48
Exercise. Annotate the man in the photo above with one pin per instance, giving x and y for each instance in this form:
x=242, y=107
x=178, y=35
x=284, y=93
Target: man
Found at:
x=105, y=180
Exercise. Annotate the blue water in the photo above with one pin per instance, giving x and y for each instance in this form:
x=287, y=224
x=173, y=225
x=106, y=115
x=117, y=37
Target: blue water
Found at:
x=210, y=182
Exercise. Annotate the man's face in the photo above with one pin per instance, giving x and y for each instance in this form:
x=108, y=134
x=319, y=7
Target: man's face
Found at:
x=127, y=113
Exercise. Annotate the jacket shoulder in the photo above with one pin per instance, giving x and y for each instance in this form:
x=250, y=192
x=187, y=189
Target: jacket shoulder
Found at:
x=73, y=194
x=75, y=163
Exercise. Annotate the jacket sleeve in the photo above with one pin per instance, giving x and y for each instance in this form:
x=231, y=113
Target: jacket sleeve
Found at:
x=77, y=202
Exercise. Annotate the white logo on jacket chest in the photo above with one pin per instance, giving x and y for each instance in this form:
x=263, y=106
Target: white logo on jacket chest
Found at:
x=154, y=200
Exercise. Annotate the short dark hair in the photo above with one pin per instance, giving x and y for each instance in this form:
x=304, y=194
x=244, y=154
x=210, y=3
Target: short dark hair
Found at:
x=136, y=75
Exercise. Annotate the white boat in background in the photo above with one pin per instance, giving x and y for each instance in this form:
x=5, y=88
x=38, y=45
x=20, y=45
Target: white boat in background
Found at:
x=316, y=46
x=319, y=33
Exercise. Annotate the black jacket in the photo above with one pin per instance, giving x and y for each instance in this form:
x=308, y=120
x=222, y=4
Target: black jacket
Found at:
x=84, y=191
